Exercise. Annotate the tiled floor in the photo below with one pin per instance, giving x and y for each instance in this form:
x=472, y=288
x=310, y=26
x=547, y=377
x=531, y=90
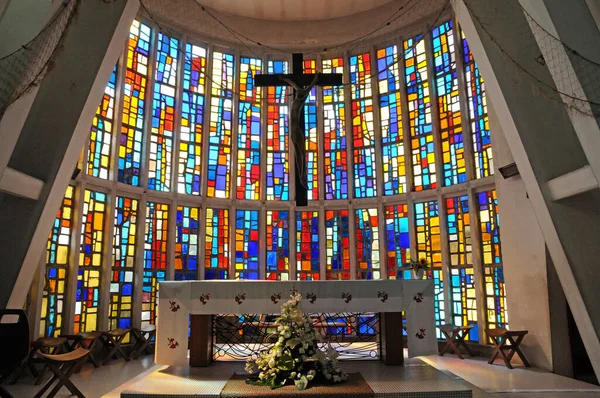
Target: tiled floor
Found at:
x=93, y=383
x=414, y=378
x=498, y=380
x=492, y=380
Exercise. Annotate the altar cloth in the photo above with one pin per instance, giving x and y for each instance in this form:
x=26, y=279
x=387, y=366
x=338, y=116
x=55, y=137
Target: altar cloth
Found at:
x=178, y=299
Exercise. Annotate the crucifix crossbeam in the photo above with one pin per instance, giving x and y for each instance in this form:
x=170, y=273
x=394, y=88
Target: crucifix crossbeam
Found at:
x=302, y=83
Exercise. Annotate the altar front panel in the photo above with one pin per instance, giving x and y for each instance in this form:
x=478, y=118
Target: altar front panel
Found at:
x=179, y=299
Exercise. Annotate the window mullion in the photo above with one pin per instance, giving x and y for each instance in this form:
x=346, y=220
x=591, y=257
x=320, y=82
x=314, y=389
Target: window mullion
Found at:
x=378, y=164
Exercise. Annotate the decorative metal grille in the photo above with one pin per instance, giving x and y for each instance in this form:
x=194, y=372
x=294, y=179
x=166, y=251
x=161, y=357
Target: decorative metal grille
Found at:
x=238, y=337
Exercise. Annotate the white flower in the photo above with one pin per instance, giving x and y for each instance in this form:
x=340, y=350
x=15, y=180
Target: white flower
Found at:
x=310, y=377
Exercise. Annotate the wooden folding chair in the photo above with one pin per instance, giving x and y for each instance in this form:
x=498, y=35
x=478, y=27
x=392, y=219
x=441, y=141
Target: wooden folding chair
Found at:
x=88, y=340
x=112, y=343
x=455, y=337
x=44, y=345
x=143, y=338
x=501, y=338
x=63, y=366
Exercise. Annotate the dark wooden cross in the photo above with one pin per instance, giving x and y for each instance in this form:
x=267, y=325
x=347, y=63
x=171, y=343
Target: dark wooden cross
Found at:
x=302, y=84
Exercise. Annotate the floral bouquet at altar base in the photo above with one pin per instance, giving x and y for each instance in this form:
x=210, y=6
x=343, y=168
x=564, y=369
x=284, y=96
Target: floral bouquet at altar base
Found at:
x=295, y=357
x=418, y=267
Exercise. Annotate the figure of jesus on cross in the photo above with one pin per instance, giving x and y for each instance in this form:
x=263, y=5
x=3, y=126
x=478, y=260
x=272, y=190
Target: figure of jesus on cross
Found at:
x=302, y=83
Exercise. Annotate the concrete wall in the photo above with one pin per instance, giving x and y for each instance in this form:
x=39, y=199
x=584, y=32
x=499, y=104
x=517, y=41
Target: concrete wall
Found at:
x=523, y=257
x=21, y=22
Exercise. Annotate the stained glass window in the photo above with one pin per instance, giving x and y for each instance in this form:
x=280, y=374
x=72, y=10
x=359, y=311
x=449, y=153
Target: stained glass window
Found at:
x=277, y=137
x=163, y=113
x=419, y=113
x=307, y=245
x=58, y=257
x=312, y=136
x=495, y=292
x=444, y=61
x=363, y=129
x=186, y=243
x=337, y=244
x=189, y=171
x=155, y=257
x=367, y=244
x=102, y=131
x=251, y=162
x=91, y=254
x=478, y=116
x=246, y=244
x=249, y=131
x=221, y=119
x=278, y=248
x=216, y=260
x=334, y=135
x=397, y=237
x=462, y=283
x=134, y=103
x=390, y=113
x=427, y=223
x=123, y=268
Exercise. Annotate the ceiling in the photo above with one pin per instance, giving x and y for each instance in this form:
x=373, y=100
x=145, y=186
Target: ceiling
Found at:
x=293, y=10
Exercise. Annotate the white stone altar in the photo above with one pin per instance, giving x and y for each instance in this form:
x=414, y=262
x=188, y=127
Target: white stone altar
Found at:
x=178, y=299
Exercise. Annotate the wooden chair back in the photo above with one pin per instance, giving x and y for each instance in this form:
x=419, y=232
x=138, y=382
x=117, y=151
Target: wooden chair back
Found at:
x=14, y=339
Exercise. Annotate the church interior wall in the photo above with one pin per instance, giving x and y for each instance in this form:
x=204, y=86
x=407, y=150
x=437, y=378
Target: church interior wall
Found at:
x=20, y=21
x=546, y=146
x=524, y=251
x=524, y=256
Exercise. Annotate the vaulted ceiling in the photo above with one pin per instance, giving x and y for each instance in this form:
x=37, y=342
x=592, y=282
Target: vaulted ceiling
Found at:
x=298, y=25
x=293, y=10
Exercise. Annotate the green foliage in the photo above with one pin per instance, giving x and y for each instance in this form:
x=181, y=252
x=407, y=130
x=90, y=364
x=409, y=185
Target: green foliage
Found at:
x=295, y=357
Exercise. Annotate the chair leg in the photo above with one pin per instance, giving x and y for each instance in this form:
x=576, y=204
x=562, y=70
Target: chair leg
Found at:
x=64, y=379
x=46, y=387
x=497, y=346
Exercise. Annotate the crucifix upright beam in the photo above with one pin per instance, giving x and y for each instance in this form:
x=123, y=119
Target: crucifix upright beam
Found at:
x=302, y=83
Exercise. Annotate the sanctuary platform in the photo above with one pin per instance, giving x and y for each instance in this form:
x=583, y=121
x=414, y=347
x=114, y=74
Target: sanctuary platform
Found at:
x=415, y=380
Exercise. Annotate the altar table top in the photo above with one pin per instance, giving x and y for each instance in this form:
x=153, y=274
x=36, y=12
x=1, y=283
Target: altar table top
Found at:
x=178, y=299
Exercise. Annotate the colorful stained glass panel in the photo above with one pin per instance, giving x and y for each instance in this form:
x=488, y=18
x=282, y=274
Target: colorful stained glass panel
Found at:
x=58, y=257
x=134, y=103
x=216, y=260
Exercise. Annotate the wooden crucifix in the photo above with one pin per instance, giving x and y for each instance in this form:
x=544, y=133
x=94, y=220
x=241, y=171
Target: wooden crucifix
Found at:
x=302, y=84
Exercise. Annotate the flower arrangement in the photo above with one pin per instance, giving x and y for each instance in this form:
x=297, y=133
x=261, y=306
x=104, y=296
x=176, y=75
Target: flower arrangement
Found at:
x=419, y=267
x=295, y=356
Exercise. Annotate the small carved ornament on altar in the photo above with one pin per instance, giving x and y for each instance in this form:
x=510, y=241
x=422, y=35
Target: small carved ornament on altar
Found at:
x=295, y=357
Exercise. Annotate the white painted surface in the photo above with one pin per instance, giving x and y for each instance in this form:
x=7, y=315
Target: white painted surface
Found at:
x=561, y=263
x=523, y=257
x=573, y=183
x=16, y=183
